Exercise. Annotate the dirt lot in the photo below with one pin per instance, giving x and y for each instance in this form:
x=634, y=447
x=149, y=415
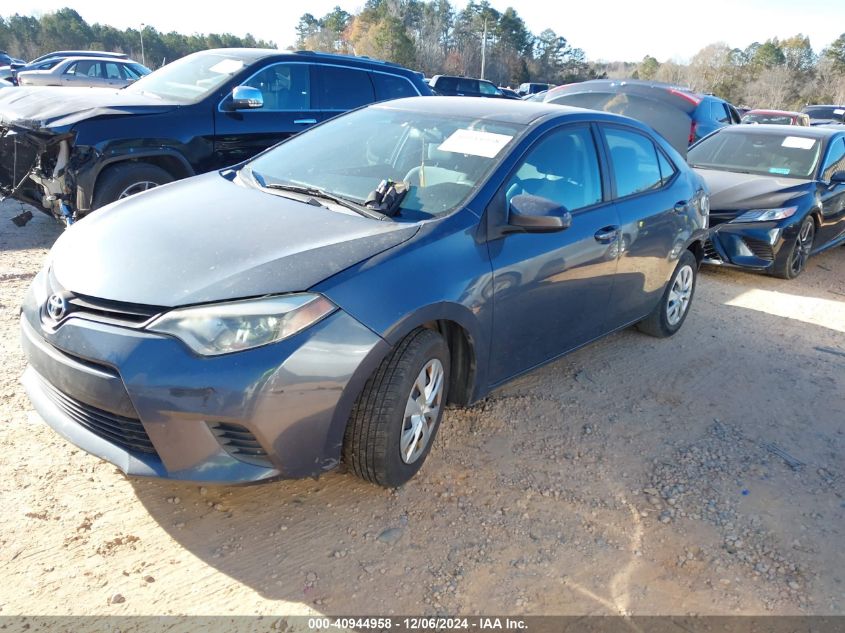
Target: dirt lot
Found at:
x=637, y=476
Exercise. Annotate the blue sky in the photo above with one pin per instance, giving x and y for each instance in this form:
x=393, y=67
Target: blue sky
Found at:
x=606, y=30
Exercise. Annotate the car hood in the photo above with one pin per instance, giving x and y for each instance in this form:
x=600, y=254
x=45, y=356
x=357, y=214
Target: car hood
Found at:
x=55, y=110
x=210, y=239
x=731, y=190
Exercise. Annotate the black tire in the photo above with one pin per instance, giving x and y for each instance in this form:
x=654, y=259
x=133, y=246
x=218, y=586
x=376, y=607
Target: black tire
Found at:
x=115, y=180
x=371, y=444
x=795, y=262
x=658, y=323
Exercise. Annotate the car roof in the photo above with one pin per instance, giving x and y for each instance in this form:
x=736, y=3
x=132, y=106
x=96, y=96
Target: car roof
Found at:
x=503, y=110
x=816, y=132
x=781, y=112
x=255, y=54
x=47, y=56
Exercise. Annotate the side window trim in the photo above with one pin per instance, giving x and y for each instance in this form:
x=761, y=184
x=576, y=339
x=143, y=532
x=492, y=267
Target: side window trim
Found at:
x=604, y=126
x=313, y=106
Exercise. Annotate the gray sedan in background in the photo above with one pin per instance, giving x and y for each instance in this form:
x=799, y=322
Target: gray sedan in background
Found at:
x=94, y=72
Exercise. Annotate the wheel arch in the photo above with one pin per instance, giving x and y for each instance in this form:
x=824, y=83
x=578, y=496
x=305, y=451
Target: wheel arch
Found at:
x=169, y=160
x=462, y=332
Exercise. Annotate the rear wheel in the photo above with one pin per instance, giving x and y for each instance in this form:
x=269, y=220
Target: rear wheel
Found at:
x=671, y=312
x=127, y=179
x=796, y=261
x=396, y=417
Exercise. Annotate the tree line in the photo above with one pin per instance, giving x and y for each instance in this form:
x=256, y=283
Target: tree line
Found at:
x=783, y=74
x=433, y=36
x=27, y=37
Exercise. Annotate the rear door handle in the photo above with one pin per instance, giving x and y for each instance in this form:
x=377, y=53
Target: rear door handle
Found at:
x=607, y=234
x=681, y=206
x=305, y=121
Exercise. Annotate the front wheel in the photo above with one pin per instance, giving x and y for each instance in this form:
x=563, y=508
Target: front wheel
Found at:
x=796, y=261
x=126, y=179
x=393, y=424
x=671, y=312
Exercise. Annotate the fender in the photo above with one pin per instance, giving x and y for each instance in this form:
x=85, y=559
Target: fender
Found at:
x=87, y=175
x=443, y=311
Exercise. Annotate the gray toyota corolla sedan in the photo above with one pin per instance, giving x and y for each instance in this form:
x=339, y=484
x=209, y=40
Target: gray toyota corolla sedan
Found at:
x=327, y=299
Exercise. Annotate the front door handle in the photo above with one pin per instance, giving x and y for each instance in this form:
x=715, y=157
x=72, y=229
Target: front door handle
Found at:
x=305, y=121
x=607, y=234
x=681, y=207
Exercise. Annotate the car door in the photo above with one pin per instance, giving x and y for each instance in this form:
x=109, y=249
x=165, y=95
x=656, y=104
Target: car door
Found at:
x=338, y=89
x=287, y=110
x=652, y=216
x=832, y=194
x=552, y=290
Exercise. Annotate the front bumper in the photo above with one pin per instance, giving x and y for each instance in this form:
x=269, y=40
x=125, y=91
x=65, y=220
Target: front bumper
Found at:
x=751, y=245
x=145, y=403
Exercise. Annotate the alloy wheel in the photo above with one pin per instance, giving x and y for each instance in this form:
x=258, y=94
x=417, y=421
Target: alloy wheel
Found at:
x=803, y=246
x=137, y=187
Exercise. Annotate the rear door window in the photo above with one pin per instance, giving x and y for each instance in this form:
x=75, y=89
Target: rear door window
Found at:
x=486, y=88
x=634, y=160
x=719, y=113
x=667, y=169
x=113, y=71
x=341, y=88
x=392, y=87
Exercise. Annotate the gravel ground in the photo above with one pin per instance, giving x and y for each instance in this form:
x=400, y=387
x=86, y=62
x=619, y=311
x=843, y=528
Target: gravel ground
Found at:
x=697, y=475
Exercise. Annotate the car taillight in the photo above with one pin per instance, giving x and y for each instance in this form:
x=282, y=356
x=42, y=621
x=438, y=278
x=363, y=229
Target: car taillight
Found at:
x=692, y=127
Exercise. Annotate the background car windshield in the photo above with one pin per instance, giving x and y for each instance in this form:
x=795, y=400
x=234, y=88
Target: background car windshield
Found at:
x=440, y=158
x=768, y=154
x=191, y=78
x=823, y=112
x=776, y=119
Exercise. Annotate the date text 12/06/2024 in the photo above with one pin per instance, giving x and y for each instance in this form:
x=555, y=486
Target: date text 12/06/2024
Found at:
x=416, y=624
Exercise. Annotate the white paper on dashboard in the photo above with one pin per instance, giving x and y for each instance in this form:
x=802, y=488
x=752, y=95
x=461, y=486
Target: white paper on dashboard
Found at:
x=798, y=142
x=475, y=143
x=227, y=66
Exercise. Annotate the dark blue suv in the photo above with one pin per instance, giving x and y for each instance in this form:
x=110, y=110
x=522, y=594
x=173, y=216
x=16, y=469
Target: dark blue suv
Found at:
x=76, y=151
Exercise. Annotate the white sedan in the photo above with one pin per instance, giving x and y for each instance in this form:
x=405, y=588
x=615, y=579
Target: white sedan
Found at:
x=85, y=71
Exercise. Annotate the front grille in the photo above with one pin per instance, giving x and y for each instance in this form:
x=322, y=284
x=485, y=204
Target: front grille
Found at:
x=240, y=443
x=761, y=249
x=127, y=433
x=102, y=310
x=111, y=311
x=710, y=251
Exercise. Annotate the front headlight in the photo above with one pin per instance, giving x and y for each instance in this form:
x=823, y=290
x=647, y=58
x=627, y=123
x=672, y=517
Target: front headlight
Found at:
x=766, y=215
x=231, y=327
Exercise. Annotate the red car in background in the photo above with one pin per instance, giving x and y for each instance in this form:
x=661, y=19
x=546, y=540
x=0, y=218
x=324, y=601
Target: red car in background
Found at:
x=776, y=117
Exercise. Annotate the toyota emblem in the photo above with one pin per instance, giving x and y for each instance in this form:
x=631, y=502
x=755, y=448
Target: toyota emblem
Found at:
x=56, y=307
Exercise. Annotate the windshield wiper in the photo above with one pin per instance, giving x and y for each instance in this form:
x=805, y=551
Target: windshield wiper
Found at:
x=317, y=194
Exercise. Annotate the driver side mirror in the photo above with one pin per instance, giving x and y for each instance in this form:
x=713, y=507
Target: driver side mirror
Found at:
x=246, y=98
x=535, y=214
x=838, y=177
